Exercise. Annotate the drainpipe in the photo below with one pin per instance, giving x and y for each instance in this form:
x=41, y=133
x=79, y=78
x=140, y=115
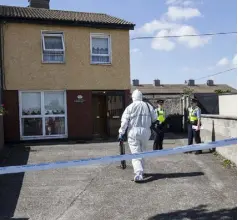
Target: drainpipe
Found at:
x=1, y=61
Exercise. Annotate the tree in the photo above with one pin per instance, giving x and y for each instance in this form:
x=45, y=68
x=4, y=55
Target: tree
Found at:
x=188, y=91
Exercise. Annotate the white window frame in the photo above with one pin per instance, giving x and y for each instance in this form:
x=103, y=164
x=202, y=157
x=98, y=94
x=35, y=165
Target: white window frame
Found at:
x=52, y=34
x=42, y=116
x=101, y=35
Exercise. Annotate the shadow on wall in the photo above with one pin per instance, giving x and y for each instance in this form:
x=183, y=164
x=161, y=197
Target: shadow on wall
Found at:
x=200, y=212
x=11, y=184
x=208, y=103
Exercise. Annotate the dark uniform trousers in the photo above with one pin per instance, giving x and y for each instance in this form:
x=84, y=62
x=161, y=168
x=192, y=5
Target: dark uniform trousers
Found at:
x=192, y=133
x=158, y=136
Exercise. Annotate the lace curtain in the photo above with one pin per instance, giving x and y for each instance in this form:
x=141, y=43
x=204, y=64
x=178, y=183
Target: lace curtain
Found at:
x=100, y=50
x=31, y=103
x=54, y=103
x=52, y=43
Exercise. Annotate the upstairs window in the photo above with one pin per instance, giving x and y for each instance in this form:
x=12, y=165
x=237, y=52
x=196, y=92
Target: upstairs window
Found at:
x=100, y=49
x=53, y=47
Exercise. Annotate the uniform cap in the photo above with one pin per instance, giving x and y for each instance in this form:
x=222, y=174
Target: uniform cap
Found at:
x=160, y=101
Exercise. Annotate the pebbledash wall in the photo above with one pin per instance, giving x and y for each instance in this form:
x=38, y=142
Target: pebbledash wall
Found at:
x=23, y=55
x=218, y=127
x=172, y=102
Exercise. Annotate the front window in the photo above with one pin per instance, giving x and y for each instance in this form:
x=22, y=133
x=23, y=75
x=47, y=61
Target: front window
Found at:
x=53, y=47
x=31, y=120
x=43, y=114
x=54, y=106
x=100, y=49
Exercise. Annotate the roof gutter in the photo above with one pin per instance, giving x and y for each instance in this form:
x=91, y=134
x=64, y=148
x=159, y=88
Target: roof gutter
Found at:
x=69, y=23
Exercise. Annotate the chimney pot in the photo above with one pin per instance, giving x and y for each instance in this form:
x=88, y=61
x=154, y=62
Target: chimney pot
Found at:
x=156, y=82
x=39, y=4
x=210, y=82
x=135, y=82
x=190, y=82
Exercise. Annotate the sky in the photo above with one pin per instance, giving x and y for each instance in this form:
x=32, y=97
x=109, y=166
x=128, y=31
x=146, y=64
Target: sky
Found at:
x=171, y=60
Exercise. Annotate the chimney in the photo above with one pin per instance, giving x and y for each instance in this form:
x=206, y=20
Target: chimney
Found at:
x=210, y=82
x=135, y=82
x=156, y=82
x=39, y=4
x=190, y=82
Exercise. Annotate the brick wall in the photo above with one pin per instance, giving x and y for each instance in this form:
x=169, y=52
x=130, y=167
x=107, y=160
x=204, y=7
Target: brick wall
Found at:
x=11, y=119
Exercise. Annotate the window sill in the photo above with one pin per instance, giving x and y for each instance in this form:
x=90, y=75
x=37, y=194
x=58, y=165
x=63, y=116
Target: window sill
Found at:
x=53, y=62
x=102, y=64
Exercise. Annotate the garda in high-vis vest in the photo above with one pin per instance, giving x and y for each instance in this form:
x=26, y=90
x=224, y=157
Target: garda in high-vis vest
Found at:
x=160, y=115
x=192, y=114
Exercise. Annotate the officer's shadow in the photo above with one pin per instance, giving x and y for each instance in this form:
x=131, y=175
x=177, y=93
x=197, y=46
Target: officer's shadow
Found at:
x=150, y=177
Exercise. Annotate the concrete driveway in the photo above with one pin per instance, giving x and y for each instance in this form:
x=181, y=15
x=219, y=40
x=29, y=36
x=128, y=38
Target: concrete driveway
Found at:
x=178, y=187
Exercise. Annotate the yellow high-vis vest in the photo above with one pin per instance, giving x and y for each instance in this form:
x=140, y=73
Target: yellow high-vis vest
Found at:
x=192, y=116
x=160, y=115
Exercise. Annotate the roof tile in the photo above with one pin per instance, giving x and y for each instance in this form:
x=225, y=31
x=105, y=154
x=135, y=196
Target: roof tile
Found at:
x=81, y=18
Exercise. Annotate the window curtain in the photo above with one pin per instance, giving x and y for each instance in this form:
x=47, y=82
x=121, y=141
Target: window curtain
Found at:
x=31, y=103
x=52, y=43
x=99, y=48
x=54, y=103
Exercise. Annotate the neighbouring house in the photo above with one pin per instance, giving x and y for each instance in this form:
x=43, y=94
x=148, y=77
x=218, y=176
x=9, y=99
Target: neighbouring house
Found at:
x=175, y=103
x=207, y=94
x=65, y=74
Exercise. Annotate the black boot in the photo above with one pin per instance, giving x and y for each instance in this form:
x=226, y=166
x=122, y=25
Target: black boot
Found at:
x=198, y=152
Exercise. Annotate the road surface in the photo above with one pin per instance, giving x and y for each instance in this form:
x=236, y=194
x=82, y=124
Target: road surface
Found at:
x=177, y=187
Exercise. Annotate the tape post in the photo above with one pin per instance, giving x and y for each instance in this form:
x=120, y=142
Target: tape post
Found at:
x=115, y=158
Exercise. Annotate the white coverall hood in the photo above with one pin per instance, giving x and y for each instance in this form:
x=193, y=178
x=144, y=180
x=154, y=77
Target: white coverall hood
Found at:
x=136, y=95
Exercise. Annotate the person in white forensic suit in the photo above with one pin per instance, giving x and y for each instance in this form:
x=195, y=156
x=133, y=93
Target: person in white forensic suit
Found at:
x=137, y=120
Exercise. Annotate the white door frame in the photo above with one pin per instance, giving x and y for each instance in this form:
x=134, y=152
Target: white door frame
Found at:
x=42, y=116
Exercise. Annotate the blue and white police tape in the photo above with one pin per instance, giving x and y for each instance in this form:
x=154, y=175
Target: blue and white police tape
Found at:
x=109, y=159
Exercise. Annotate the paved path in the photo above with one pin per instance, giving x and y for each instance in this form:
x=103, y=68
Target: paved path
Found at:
x=180, y=187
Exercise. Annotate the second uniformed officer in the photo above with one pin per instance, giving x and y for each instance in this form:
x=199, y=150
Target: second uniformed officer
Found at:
x=194, y=119
x=159, y=126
